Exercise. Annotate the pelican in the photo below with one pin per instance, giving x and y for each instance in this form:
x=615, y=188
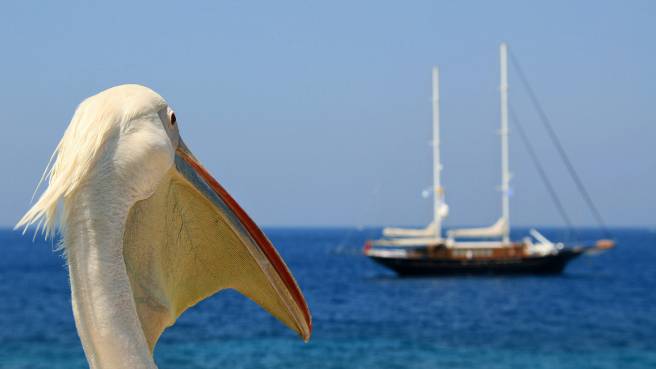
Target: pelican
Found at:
x=147, y=231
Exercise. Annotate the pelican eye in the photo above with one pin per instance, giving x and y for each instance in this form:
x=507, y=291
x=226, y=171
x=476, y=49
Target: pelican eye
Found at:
x=173, y=120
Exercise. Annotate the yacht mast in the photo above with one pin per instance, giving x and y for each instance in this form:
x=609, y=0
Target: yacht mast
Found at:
x=505, y=172
x=437, y=165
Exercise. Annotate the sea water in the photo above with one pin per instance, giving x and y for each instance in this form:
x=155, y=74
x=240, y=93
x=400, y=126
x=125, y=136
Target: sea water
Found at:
x=600, y=313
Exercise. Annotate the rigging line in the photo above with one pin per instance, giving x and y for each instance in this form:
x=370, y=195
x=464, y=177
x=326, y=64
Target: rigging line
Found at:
x=542, y=172
x=554, y=138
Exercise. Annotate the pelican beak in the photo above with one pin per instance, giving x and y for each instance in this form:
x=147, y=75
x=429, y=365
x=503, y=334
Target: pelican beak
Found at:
x=261, y=274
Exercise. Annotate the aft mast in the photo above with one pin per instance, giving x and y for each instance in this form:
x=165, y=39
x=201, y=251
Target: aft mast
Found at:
x=440, y=209
x=437, y=165
x=505, y=171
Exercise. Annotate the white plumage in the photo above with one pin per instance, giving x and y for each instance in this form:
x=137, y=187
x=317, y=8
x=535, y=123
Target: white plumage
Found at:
x=97, y=120
x=147, y=231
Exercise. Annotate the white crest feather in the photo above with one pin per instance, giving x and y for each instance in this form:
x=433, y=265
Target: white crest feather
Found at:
x=95, y=120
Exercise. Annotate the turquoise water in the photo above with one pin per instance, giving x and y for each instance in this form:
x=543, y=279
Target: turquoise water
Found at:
x=600, y=313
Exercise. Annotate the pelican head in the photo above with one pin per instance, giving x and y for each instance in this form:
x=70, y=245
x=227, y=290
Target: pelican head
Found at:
x=147, y=231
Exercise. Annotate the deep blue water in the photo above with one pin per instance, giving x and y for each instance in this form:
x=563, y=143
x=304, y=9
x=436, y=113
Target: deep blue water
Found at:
x=600, y=313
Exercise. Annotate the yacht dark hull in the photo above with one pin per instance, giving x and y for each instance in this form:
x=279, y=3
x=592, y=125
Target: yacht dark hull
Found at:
x=427, y=266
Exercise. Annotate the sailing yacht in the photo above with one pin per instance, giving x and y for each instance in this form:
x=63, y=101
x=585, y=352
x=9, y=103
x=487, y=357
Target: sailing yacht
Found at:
x=484, y=250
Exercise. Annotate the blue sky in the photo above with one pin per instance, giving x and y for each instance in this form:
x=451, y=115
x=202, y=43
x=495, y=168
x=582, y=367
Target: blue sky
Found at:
x=318, y=113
